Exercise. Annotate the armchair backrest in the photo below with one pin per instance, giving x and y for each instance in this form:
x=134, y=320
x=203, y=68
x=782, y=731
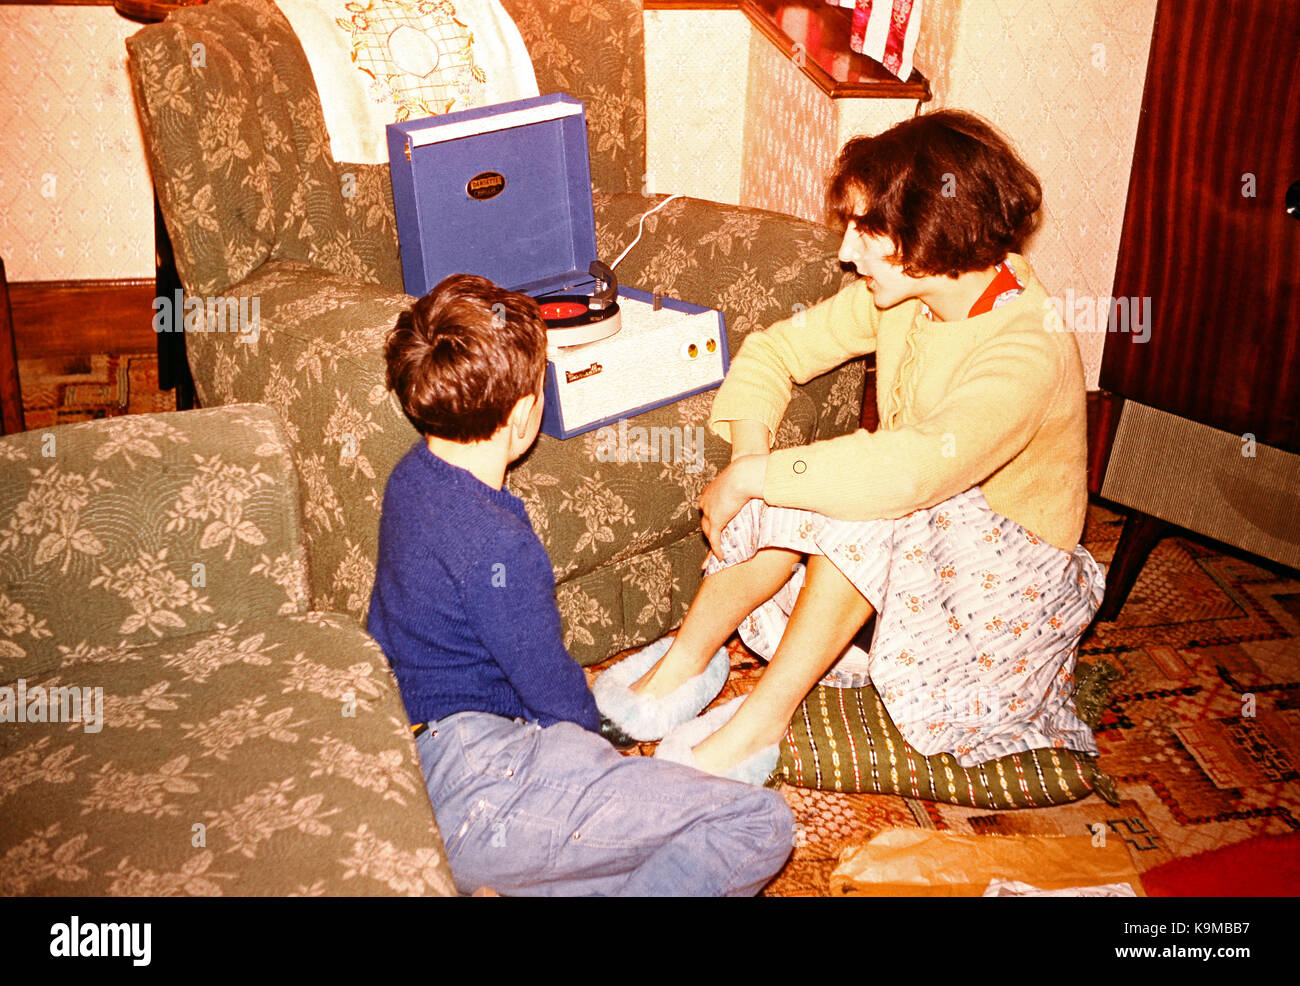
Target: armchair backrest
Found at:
x=237, y=145
x=240, y=156
x=594, y=50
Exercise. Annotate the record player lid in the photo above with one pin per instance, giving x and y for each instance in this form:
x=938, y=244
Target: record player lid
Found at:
x=502, y=191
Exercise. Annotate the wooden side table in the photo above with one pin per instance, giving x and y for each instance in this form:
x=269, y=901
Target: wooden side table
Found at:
x=149, y=11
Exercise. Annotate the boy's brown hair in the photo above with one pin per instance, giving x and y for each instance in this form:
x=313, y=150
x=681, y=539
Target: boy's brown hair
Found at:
x=945, y=187
x=463, y=355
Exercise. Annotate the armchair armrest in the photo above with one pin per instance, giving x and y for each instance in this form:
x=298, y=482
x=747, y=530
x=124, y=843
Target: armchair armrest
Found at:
x=757, y=266
x=128, y=530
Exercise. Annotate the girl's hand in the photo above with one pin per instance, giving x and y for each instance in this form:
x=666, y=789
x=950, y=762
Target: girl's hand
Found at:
x=722, y=499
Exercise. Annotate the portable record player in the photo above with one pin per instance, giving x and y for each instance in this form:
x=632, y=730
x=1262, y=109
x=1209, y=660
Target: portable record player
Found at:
x=505, y=192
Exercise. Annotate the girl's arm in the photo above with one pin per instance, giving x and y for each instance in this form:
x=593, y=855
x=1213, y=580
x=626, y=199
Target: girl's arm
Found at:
x=749, y=407
x=723, y=498
x=749, y=437
x=758, y=385
x=990, y=413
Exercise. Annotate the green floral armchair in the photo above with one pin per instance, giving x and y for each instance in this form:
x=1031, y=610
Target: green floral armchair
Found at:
x=257, y=208
x=174, y=720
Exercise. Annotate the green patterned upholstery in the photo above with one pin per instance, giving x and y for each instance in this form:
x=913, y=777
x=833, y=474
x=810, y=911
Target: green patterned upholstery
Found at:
x=146, y=529
x=238, y=148
x=371, y=225
x=594, y=50
x=322, y=262
x=245, y=745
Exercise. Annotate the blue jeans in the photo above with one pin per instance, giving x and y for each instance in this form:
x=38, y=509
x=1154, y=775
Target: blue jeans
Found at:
x=559, y=812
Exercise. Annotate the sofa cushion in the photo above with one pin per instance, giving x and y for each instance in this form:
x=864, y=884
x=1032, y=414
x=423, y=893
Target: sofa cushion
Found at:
x=759, y=267
x=755, y=265
x=271, y=756
x=842, y=739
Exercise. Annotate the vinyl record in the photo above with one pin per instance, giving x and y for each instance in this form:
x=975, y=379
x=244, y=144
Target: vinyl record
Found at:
x=577, y=319
x=563, y=311
x=571, y=320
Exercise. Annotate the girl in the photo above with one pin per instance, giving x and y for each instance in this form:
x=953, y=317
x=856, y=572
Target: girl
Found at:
x=957, y=522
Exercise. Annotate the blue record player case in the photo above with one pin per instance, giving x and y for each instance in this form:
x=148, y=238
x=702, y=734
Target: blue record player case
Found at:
x=504, y=191
x=536, y=234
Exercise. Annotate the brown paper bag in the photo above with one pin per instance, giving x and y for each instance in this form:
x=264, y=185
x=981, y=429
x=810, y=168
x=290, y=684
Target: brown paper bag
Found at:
x=924, y=863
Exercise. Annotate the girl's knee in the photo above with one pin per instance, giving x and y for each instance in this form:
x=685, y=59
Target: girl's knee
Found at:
x=824, y=579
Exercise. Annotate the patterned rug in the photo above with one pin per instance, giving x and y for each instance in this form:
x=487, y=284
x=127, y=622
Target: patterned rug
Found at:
x=1203, y=636
x=1202, y=734
x=63, y=390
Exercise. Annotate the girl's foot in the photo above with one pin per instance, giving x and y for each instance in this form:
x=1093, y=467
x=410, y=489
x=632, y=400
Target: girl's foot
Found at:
x=730, y=746
x=683, y=743
x=670, y=672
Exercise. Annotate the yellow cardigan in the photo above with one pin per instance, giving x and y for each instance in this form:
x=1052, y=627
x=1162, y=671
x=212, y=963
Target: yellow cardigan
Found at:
x=995, y=400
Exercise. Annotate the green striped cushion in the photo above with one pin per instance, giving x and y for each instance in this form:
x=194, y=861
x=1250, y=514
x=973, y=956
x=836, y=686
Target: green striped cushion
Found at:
x=842, y=739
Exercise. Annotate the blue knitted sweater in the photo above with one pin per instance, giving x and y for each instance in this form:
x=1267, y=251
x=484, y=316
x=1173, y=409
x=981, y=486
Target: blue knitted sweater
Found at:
x=464, y=601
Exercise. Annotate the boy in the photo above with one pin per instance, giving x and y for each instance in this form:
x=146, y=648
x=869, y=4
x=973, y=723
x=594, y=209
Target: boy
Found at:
x=530, y=799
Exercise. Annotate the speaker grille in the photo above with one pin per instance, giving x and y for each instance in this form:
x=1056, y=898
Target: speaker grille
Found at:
x=1222, y=485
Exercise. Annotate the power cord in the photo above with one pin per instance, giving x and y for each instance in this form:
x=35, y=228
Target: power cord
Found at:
x=641, y=227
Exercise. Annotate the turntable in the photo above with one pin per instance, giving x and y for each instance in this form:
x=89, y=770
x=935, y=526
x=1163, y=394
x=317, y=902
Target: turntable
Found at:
x=505, y=192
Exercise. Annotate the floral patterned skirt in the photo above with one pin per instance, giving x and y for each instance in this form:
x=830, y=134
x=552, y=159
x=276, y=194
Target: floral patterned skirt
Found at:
x=977, y=628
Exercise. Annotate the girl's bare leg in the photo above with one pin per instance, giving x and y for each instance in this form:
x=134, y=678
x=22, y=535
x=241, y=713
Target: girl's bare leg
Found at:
x=725, y=598
x=828, y=612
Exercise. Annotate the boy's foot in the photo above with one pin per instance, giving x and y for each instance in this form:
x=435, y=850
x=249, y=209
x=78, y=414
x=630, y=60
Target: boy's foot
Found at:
x=643, y=717
x=721, y=752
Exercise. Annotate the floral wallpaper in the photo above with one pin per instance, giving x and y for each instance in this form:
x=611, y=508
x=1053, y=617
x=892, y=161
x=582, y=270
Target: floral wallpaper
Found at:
x=75, y=196
x=781, y=174
x=935, y=42
x=693, y=134
x=1064, y=81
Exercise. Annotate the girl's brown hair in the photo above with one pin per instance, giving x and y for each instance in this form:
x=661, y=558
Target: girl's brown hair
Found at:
x=945, y=187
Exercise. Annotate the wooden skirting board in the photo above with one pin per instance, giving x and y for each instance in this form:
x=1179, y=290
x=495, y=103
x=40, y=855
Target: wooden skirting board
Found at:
x=72, y=318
